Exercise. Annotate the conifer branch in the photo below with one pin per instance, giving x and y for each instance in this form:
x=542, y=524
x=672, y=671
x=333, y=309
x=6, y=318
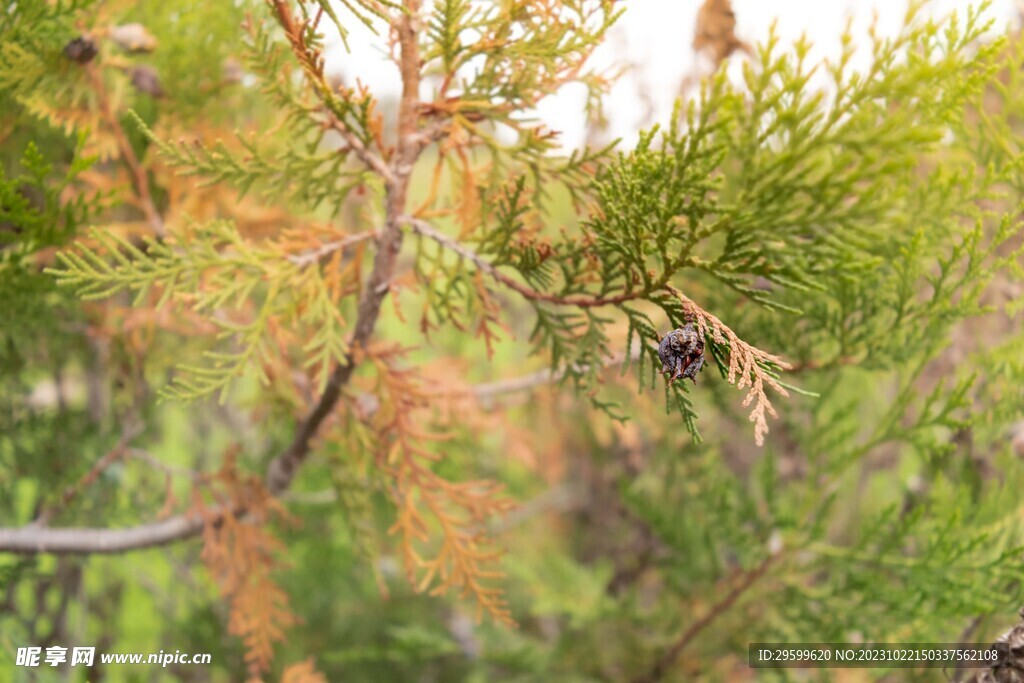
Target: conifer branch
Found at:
x=316, y=255
x=284, y=467
x=850, y=199
x=312, y=63
x=425, y=229
x=748, y=365
x=490, y=390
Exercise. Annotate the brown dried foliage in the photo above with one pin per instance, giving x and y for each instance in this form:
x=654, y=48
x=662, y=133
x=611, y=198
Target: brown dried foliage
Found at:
x=241, y=556
x=748, y=366
x=303, y=672
x=466, y=558
x=715, y=33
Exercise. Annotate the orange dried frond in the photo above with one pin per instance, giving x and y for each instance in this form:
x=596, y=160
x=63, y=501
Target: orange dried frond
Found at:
x=241, y=556
x=435, y=183
x=747, y=364
x=467, y=207
x=489, y=315
x=303, y=672
x=375, y=120
x=465, y=559
x=426, y=502
x=115, y=319
x=259, y=616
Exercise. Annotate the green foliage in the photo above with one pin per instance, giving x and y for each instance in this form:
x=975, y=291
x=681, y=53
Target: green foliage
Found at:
x=692, y=204
x=34, y=35
x=216, y=269
x=862, y=227
x=522, y=48
x=301, y=169
x=33, y=216
x=31, y=209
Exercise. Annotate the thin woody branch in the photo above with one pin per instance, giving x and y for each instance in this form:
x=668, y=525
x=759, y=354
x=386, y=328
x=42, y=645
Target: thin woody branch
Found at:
x=283, y=468
x=312, y=256
x=353, y=143
x=491, y=390
x=101, y=465
x=74, y=540
x=425, y=229
x=668, y=658
x=152, y=461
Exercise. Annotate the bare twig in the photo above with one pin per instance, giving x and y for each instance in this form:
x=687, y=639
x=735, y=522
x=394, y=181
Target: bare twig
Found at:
x=491, y=390
x=558, y=498
x=157, y=464
x=389, y=242
x=90, y=477
x=316, y=255
x=74, y=540
x=425, y=229
x=321, y=497
x=747, y=580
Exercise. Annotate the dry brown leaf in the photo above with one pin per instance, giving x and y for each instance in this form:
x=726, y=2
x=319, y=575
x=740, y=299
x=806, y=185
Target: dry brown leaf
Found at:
x=715, y=34
x=746, y=364
x=303, y=672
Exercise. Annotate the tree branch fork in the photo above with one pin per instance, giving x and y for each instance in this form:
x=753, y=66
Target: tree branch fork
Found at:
x=39, y=538
x=395, y=171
